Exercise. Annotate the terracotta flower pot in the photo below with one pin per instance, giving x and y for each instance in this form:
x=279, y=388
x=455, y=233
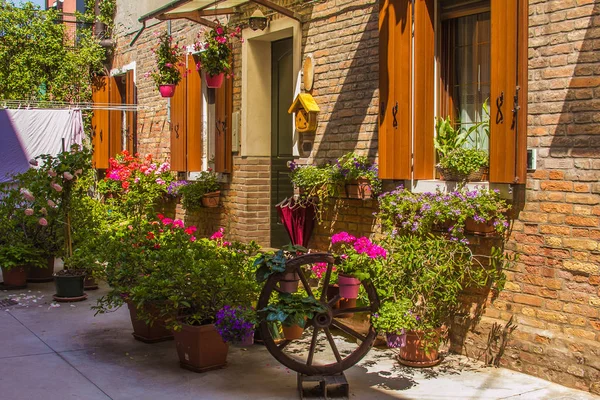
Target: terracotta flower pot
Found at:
x=167, y=90
x=349, y=286
x=211, y=199
x=289, y=283
x=247, y=340
x=214, y=81
x=41, y=274
x=332, y=291
x=90, y=283
x=479, y=228
x=15, y=277
x=292, y=332
x=359, y=189
x=157, y=332
x=200, y=348
x=415, y=353
x=346, y=303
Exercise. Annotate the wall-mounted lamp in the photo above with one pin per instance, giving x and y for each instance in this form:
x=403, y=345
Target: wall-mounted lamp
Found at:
x=257, y=21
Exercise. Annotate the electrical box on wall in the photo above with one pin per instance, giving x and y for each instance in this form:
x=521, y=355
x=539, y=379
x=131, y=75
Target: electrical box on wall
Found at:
x=531, y=159
x=235, y=131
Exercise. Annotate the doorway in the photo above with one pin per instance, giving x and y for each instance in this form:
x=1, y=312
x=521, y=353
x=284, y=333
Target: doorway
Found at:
x=282, y=95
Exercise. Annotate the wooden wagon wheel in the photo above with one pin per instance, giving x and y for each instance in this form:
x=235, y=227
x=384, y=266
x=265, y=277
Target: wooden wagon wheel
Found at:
x=323, y=322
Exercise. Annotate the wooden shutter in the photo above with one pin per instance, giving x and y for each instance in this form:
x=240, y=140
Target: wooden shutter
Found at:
x=507, y=152
x=424, y=89
x=179, y=126
x=100, y=125
x=194, y=117
x=131, y=116
x=395, y=77
x=223, y=109
x=115, y=118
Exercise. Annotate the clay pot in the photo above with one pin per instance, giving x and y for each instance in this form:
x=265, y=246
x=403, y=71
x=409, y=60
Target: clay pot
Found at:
x=157, y=332
x=349, y=286
x=41, y=274
x=289, y=283
x=479, y=228
x=292, y=332
x=16, y=276
x=415, y=354
x=358, y=189
x=211, y=199
x=200, y=348
x=90, y=283
x=332, y=291
x=346, y=303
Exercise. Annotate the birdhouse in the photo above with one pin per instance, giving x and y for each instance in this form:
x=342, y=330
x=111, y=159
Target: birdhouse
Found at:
x=306, y=109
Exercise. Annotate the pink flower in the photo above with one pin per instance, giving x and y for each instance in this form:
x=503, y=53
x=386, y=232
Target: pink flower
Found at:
x=44, y=211
x=192, y=238
x=343, y=237
x=136, y=180
x=67, y=175
x=160, y=216
x=52, y=173
x=190, y=230
x=218, y=234
x=219, y=30
x=221, y=39
x=27, y=195
x=51, y=203
x=43, y=221
x=167, y=221
x=168, y=65
x=226, y=244
x=29, y=211
x=178, y=223
x=56, y=187
x=160, y=181
x=79, y=171
x=319, y=269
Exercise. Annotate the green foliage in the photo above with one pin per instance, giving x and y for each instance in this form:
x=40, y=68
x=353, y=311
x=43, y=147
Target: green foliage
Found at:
x=168, y=57
x=216, y=49
x=270, y=263
x=351, y=167
x=20, y=254
x=393, y=316
x=464, y=161
x=448, y=138
x=40, y=61
x=292, y=309
x=192, y=193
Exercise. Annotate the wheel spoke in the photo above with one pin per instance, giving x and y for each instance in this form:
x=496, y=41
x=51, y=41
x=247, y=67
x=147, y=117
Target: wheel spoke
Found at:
x=313, y=344
x=282, y=345
x=326, y=282
x=331, y=302
x=352, y=310
x=305, y=282
x=348, y=330
x=332, y=344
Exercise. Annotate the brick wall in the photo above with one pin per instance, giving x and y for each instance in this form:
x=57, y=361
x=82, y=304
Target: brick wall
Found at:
x=552, y=292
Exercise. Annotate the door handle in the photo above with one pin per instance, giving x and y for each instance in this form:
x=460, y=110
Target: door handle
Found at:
x=499, y=104
x=394, y=113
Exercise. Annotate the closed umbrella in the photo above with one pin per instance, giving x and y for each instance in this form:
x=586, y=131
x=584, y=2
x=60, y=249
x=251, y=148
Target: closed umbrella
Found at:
x=298, y=218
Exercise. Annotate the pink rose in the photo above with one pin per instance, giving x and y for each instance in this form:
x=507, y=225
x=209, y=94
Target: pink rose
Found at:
x=56, y=187
x=43, y=221
x=52, y=173
x=27, y=195
x=51, y=203
x=68, y=176
x=29, y=211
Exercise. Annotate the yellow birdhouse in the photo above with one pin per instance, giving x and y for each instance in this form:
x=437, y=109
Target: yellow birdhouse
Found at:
x=306, y=110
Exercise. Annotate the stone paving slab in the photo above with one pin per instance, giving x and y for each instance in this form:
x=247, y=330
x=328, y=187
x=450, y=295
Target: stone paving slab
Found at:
x=66, y=353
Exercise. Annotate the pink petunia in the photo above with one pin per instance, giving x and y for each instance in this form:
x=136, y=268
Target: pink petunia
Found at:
x=43, y=221
x=52, y=173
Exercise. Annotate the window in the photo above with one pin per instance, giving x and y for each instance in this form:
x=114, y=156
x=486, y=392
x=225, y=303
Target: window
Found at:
x=480, y=51
x=113, y=130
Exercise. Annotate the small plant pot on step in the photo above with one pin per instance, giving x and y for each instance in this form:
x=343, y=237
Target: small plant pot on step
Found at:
x=69, y=285
x=167, y=90
x=157, y=332
x=200, y=348
x=420, y=349
x=41, y=274
x=289, y=282
x=349, y=286
x=14, y=278
x=211, y=199
x=292, y=332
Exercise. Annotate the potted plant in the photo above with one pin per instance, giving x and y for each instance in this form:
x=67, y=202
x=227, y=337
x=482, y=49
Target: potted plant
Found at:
x=486, y=212
x=360, y=177
x=393, y=318
x=216, y=53
x=358, y=259
x=168, y=55
x=236, y=324
x=15, y=257
x=203, y=192
x=293, y=311
x=69, y=285
x=269, y=263
x=423, y=277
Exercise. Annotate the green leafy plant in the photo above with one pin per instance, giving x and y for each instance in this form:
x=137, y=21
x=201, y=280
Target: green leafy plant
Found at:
x=20, y=254
x=168, y=58
x=394, y=316
x=292, y=309
x=351, y=167
x=193, y=191
x=270, y=263
x=464, y=161
x=216, y=49
x=359, y=257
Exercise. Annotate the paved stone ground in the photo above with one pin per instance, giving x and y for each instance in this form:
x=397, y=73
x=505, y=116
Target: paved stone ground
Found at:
x=64, y=352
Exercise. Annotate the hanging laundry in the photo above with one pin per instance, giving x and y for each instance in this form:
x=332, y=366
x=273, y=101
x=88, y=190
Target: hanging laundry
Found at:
x=26, y=134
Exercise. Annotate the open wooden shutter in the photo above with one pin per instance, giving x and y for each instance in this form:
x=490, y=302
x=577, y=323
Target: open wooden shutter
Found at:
x=131, y=116
x=194, y=117
x=115, y=144
x=507, y=153
x=424, y=89
x=100, y=125
x=223, y=109
x=395, y=76
x=179, y=126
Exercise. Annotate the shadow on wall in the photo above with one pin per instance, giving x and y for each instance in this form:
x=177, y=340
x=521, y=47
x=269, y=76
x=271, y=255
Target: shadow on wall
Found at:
x=348, y=115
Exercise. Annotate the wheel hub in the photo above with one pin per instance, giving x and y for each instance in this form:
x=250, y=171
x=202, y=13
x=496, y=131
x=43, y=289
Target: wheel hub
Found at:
x=323, y=320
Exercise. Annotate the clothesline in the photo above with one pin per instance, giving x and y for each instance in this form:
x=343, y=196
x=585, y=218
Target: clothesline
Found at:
x=27, y=104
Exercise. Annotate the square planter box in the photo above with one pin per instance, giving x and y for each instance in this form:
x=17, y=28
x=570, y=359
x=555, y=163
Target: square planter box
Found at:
x=200, y=348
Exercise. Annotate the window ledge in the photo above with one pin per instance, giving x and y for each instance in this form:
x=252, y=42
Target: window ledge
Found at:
x=431, y=185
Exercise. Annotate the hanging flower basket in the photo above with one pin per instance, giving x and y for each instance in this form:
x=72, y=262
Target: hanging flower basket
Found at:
x=167, y=90
x=359, y=189
x=215, y=81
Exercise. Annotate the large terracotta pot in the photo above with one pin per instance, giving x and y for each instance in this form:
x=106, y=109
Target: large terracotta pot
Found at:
x=15, y=277
x=157, y=332
x=292, y=332
x=349, y=286
x=41, y=274
x=200, y=348
x=359, y=189
x=214, y=81
x=415, y=354
x=289, y=282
